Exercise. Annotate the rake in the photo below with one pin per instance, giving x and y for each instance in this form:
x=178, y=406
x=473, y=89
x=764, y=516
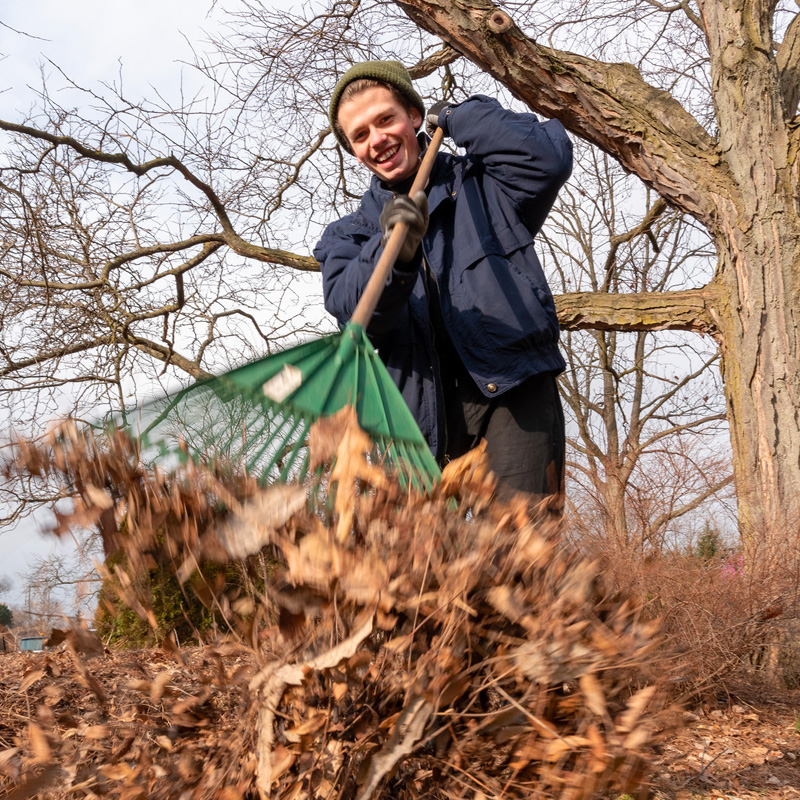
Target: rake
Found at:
x=258, y=416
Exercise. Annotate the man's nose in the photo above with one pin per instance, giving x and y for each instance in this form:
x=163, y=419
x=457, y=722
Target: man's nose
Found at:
x=376, y=136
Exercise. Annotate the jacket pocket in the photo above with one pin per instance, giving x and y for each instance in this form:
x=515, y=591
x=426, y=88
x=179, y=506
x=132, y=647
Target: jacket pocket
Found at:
x=497, y=304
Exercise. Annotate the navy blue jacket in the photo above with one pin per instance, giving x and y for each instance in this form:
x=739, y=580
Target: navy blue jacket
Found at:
x=485, y=208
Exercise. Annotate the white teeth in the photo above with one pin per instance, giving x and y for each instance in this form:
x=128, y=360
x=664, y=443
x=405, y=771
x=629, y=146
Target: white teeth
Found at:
x=387, y=155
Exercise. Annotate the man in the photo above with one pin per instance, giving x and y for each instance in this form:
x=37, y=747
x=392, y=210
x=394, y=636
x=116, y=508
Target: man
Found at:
x=466, y=324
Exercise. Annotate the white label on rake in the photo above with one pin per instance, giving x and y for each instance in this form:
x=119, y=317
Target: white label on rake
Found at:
x=280, y=386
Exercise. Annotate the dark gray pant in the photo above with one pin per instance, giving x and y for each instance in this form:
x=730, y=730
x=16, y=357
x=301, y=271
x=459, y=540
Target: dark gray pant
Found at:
x=523, y=428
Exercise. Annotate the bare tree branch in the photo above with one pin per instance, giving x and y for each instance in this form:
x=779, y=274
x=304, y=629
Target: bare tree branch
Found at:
x=228, y=235
x=687, y=310
x=610, y=105
x=713, y=490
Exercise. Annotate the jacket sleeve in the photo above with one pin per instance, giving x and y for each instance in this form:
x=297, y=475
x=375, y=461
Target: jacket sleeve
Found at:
x=529, y=160
x=347, y=253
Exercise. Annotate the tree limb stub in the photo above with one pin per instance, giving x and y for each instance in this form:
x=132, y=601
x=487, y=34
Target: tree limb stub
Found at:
x=688, y=310
x=441, y=58
x=271, y=255
x=610, y=105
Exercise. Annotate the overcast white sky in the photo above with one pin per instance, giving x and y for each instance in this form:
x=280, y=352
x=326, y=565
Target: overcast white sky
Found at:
x=89, y=40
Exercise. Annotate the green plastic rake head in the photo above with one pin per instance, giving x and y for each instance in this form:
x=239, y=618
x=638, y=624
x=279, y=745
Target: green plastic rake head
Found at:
x=258, y=417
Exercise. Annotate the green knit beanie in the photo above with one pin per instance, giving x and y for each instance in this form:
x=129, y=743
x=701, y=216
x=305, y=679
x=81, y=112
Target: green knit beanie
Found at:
x=390, y=72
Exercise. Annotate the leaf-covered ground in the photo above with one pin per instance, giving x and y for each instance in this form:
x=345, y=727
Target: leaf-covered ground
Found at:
x=149, y=718
x=134, y=723
x=745, y=747
x=403, y=645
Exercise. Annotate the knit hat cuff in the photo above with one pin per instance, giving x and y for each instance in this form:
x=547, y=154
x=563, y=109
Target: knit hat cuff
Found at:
x=392, y=73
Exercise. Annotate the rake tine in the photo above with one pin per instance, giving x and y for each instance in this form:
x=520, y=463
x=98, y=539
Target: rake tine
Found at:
x=281, y=449
x=171, y=405
x=306, y=424
x=271, y=416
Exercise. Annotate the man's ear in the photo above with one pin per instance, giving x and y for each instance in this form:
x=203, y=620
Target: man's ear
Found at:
x=415, y=116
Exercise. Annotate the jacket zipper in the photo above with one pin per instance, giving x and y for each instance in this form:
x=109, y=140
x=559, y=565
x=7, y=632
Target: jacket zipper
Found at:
x=438, y=384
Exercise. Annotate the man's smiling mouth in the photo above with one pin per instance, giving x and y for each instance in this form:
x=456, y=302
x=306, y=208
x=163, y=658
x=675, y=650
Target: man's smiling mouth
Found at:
x=387, y=154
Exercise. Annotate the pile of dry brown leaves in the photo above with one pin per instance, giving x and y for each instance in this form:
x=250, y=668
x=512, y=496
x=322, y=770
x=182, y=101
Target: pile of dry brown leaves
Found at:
x=130, y=725
x=408, y=647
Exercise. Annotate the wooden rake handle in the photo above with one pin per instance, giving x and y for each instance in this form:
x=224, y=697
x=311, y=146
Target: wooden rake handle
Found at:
x=374, y=288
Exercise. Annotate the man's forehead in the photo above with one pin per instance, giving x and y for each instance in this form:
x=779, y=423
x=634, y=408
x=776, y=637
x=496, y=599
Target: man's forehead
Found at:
x=370, y=103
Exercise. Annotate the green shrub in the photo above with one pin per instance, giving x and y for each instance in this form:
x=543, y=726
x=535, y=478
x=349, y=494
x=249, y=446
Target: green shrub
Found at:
x=186, y=612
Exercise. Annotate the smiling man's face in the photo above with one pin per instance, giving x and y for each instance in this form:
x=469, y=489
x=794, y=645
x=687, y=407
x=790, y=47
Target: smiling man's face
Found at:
x=382, y=133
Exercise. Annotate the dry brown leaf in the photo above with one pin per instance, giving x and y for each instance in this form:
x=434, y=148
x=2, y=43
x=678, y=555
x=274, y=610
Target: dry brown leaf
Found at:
x=406, y=734
x=593, y=694
x=556, y=748
x=30, y=677
x=97, y=732
x=352, y=446
x=597, y=747
x=454, y=689
x=252, y=525
x=85, y=642
x=52, y=695
x=99, y=497
x=85, y=678
x=159, y=685
x=10, y=763
x=116, y=772
x=282, y=760
x=39, y=744
x=504, y=599
x=470, y=471
x=637, y=738
x=294, y=791
x=230, y=793
x=530, y=749
x=326, y=435
x=307, y=726
x=57, y=637
x=635, y=709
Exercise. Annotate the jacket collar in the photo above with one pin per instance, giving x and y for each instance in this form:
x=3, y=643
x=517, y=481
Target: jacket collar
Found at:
x=441, y=187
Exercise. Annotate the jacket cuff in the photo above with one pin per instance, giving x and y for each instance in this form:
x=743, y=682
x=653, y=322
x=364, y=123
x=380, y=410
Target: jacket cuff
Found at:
x=444, y=118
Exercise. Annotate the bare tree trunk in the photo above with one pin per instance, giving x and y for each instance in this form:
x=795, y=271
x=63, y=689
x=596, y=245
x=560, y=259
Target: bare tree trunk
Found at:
x=616, y=522
x=759, y=265
x=761, y=371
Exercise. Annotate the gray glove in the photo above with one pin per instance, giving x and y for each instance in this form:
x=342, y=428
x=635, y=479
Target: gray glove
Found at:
x=414, y=213
x=432, y=117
